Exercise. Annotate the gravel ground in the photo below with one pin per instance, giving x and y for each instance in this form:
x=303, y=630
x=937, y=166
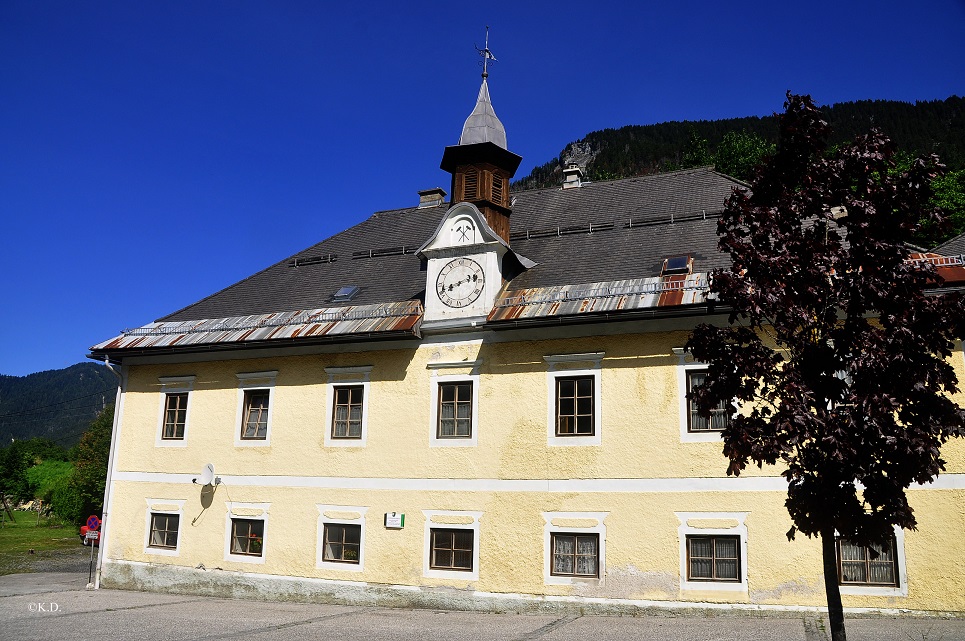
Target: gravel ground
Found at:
x=64, y=560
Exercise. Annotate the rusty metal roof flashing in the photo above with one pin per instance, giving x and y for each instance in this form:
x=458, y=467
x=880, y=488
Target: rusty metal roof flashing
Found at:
x=605, y=297
x=402, y=317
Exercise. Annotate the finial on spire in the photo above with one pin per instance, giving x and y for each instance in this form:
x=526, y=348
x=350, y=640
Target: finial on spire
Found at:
x=487, y=55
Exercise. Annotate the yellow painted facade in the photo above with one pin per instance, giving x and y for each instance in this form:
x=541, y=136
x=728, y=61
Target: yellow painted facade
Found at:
x=641, y=489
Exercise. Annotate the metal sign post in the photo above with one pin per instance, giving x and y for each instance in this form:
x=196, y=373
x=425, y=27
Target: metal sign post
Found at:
x=92, y=535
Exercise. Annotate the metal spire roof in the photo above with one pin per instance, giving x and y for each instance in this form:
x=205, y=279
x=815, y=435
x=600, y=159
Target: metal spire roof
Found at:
x=482, y=125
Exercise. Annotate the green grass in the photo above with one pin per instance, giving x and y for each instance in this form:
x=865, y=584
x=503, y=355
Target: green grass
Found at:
x=49, y=537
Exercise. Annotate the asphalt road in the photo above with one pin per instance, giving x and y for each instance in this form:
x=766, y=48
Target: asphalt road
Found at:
x=57, y=607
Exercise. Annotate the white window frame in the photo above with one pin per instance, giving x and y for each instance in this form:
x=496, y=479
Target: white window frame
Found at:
x=163, y=506
x=435, y=379
x=549, y=529
x=874, y=590
x=739, y=530
x=252, y=381
x=559, y=366
x=174, y=385
x=430, y=525
x=323, y=520
x=261, y=514
x=346, y=377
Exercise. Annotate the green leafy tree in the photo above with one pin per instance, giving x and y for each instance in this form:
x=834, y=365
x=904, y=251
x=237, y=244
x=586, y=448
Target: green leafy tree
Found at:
x=696, y=153
x=950, y=197
x=739, y=152
x=835, y=351
x=93, y=451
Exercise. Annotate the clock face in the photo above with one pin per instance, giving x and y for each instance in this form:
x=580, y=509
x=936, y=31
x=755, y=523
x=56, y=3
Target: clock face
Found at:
x=460, y=282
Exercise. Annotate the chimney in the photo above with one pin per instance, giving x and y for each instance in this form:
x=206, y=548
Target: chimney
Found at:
x=432, y=197
x=572, y=176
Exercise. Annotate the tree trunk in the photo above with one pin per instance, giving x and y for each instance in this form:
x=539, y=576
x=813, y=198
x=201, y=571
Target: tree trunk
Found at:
x=831, y=588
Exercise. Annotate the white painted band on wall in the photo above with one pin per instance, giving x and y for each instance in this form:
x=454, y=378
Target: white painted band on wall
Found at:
x=726, y=484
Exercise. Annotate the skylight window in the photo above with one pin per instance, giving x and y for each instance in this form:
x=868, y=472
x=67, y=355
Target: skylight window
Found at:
x=677, y=265
x=345, y=294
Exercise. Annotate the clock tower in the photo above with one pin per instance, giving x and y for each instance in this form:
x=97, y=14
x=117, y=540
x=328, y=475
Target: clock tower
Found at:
x=468, y=257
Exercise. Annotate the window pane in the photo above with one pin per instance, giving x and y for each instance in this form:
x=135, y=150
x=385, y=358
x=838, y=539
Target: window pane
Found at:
x=353, y=534
x=462, y=559
x=447, y=392
x=882, y=573
x=726, y=548
x=463, y=539
x=566, y=387
x=567, y=407
x=562, y=564
x=853, y=572
x=851, y=552
x=564, y=544
x=586, y=565
x=701, y=547
x=584, y=386
x=584, y=425
x=701, y=568
x=726, y=568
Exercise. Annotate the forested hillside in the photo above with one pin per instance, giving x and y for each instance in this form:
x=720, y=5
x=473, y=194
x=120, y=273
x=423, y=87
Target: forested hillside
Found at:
x=924, y=127
x=55, y=404
x=734, y=146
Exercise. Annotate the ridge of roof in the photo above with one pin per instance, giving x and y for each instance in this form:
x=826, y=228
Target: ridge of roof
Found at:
x=707, y=169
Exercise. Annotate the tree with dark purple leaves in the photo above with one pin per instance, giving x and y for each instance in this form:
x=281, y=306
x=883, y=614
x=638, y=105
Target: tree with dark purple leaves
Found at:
x=838, y=344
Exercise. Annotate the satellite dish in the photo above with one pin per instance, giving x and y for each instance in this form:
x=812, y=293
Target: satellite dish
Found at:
x=207, y=475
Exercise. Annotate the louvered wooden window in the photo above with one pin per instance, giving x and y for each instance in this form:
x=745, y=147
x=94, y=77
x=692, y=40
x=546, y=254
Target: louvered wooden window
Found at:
x=472, y=184
x=497, y=189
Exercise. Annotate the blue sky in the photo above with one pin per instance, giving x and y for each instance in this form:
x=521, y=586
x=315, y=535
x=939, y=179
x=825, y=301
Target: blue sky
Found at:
x=152, y=153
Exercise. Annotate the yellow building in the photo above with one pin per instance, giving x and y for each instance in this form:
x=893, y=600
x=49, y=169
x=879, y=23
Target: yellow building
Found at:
x=476, y=404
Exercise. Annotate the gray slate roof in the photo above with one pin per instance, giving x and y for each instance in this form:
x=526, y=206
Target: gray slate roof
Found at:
x=953, y=247
x=636, y=223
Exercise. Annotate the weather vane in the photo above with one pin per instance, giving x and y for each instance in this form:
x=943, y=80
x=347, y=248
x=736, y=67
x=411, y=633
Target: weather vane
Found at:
x=486, y=54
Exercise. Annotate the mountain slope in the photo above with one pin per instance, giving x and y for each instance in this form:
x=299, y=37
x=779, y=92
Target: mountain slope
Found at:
x=924, y=127
x=55, y=404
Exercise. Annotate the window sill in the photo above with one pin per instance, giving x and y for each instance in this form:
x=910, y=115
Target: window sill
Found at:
x=873, y=590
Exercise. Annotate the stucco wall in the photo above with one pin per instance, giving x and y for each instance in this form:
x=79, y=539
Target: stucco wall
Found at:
x=641, y=474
